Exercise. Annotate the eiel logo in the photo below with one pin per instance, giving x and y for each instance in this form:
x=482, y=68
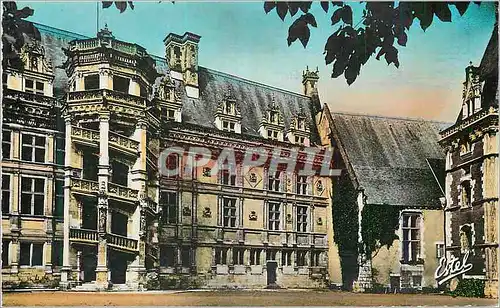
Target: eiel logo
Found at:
x=451, y=268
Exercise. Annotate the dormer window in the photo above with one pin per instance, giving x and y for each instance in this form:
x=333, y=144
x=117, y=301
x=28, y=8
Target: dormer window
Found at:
x=300, y=140
x=301, y=124
x=170, y=114
x=272, y=134
x=228, y=126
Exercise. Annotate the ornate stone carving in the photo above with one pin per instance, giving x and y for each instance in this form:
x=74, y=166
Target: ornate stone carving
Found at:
x=252, y=216
x=207, y=212
x=186, y=211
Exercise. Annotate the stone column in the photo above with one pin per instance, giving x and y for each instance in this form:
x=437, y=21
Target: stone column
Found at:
x=14, y=256
x=66, y=268
x=136, y=270
x=102, y=202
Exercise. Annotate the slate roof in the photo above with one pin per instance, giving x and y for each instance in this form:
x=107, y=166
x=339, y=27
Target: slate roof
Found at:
x=252, y=97
x=389, y=157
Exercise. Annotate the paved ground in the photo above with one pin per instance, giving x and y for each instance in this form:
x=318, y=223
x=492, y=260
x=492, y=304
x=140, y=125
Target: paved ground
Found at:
x=234, y=298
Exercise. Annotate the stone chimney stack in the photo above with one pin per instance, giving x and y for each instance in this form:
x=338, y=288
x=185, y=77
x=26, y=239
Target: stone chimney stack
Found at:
x=182, y=59
x=309, y=80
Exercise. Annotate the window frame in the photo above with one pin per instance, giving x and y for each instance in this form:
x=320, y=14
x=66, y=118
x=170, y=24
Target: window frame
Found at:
x=255, y=254
x=6, y=143
x=31, y=254
x=274, y=216
x=34, y=88
x=238, y=256
x=6, y=194
x=229, y=219
x=302, y=185
x=5, y=253
x=220, y=255
x=121, y=79
x=170, y=210
x=168, y=256
x=286, y=258
x=302, y=223
x=33, y=193
x=409, y=253
x=274, y=181
x=88, y=84
x=33, y=147
x=301, y=257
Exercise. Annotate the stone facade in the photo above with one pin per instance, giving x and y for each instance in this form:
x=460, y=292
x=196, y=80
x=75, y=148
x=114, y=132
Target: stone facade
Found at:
x=471, y=147
x=115, y=218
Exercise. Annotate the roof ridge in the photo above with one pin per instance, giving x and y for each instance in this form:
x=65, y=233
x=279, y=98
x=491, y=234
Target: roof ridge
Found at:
x=55, y=30
x=213, y=71
x=388, y=117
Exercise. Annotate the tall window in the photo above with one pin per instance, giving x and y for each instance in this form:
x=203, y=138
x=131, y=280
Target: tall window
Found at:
x=228, y=126
x=167, y=256
x=60, y=144
x=90, y=169
x=411, y=237
x=229, y=177
x=301, y=218
x=121, y=84
x=186, y=256
x=273, y=117
x=229, y=212
x=440, y=250
x=31, y=86
x=315, y=258
x=271, y=254
x=301, y=258
x=274, y=181
x=91, y=82
x=5, y=253
x=171, y=163
x=168, y=202
x=32, y=196
x=220, y=256
x=238, y=254
x=33, y=148
x=274, y=216
x=465, y=194
x=255, y=256
x=170, y=114
x=57, y=253
x=300, y=140
x=229, y=108
x=5, y=193
x=286, y=258
x=466, y=238
x=6, y=143
x=59, y=197
x=301, y=184
x=120, y=173
x=31, y=254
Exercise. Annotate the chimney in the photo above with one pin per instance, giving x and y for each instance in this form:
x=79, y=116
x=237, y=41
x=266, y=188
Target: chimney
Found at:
x=182, y=59
x=309, y=80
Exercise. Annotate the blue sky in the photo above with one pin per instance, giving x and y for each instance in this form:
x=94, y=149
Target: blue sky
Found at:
x=240, y=39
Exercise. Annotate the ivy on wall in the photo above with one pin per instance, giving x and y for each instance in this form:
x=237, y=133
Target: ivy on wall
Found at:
x=378, y=227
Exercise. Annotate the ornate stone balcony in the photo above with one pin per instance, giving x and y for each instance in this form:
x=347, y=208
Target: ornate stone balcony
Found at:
x=83, y=235
x=122, y=242
x=151, y=157
x=123, y=143
x=122, y=192
x=84, y=186
x=85, y=136
x=100, y=94
x=152, y=205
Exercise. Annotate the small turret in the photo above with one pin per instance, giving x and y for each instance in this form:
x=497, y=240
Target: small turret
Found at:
x=309, y=80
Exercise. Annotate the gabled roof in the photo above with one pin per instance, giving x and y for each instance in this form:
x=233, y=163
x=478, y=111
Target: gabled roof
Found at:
x=252, y=97
x=387, y=157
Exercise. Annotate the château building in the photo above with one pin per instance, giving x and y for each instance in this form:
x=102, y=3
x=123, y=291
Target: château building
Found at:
x=472, y=171
x=386, y=163
x=86, y=205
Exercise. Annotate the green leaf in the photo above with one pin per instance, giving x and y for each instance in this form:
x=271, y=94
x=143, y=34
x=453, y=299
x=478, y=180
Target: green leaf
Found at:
x=391, y=56
x=352, y=70
x=131, y=4
x=106, y=4
x=121, y=5
x=298, y=30
x=325, y=5
x=24, y=12
x=461, y=7
x=347, y=14
x=309, y=18
x=442, y=11
x=336, y=16
x=339, y=66
x=282, y=9
x=402, y=39
x=305, y=6
x=269, y=6
x=293, y=7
